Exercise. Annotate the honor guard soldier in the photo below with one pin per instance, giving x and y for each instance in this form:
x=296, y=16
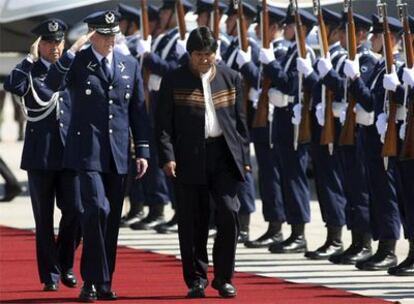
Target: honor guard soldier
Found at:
x=109, y=85
x=283, y=95
x=268, y=164
x=210, y=158
x=246, y=193
x=383, y=182
x=129, y=24
x=48, y=117
x=355, y=183
x=327, y=165
x=159, y=58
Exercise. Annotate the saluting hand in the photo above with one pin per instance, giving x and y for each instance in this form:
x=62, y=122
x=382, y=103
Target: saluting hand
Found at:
x=81, y=42
x=169, y=169
x=34, y=50
x=142, y=166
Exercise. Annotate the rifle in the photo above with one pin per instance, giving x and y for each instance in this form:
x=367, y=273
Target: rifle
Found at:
x=390, y=141
x=216, y=20
x=302, y=134
x=145, y=34
x=244, y=45
x=347, y=136
x=262, y=112
x=407, y=150
x=181, y=19
x=328, y=130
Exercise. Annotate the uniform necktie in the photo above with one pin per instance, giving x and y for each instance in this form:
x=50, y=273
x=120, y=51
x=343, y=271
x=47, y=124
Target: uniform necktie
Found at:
x=105, y=69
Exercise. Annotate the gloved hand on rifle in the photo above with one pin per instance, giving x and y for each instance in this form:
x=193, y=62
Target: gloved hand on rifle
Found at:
x=391, y=81
x=266, y=56
x=324, y=66
x=144, y=46
x=244, y=57
x=218, y=51
x=304, y=65
x=297, y=114
x=351, y=68
x=381, y=125
x=408, y=76
x=181, y=46
x=320, y=114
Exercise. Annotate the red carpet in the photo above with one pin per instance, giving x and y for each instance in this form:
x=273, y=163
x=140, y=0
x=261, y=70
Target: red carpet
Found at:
x=143, y=277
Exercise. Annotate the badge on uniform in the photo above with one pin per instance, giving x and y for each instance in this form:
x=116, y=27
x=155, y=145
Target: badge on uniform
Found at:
x=121, y=66
x=91, y=66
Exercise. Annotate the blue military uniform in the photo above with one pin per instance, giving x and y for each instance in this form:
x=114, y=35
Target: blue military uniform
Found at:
x=98, y=145
x=384, y=184
x=293, y=162
x=46, y=131
x=269, y=179
x=355, y=183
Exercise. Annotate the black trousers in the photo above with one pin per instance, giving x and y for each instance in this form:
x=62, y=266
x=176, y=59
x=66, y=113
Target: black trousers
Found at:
x=193, y=209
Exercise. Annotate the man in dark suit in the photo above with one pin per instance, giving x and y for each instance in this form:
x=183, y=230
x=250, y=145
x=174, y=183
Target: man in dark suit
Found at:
x=109, y=85
x=48, y=118
x=210, y=157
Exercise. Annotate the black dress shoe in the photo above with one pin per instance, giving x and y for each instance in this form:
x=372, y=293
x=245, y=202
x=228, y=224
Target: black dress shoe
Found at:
x=68, y=279
x=197, y=291
x=243, y=237
x=330, y=248
x=355, y=253
x=50, y=287
x=106, y=295
x=225, y=289
x=169, y=227
x=148, y=223
x=88, y=294
x=405, y=268
x=130, y=219
x=265, y=240
x=379, y=261
x=294, y=244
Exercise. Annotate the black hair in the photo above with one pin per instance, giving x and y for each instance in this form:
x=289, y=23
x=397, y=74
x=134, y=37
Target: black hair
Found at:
x=201, y=39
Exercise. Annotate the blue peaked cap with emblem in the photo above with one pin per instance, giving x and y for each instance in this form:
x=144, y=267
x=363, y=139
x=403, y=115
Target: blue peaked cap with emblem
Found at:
x=331, y=18
x=360, y=21
x=51, y=30
x=104, y=22
x=153, y=12
x=393, y=23
x=208, y=6
x=248, y=10
x=307, y=18
x=129, y=13
x=170, y=4
x=276, y=15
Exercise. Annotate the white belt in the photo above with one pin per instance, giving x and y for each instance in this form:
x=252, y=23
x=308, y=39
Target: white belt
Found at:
x=278, y=99
x=363, y=117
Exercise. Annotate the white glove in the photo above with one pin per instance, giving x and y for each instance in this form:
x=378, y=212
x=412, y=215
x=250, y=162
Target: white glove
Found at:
x=266, y=56
x=342, y=115
x=304, y=66
x=351, y=68
x=402, y=131
x=381, y=125
x=297, y=114
x=391, y=81
x=244, y=57
x=218, y=51
x=144, y=46
x=320, y=114
x=324, y=66
x=181, y=47
x=338, y=107
x=408, y=76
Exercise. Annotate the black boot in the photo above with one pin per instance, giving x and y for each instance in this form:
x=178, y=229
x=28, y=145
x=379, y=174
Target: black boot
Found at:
x=406, y=267
x=296, y=243
x=154, y=218
x=359, y=250
x=383, y=259
x=333, y=245
x=244, y=220
x=271, y=236
x=169, y=227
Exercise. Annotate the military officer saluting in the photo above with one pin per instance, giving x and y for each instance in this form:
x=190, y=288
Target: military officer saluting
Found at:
x=48, y=118
x=109, y=85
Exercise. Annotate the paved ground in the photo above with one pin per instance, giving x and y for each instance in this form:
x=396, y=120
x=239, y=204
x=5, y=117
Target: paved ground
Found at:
x=292, y=267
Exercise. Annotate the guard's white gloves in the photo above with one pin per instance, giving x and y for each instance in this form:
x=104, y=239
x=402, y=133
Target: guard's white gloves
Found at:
x=320, y=114
x=144, y=46
x=304, y=66
x=324, y=66
x=266, y=56
x=351, y=68
x=342, y=115
x=391, y=81
x=297, y=114
x=181, y=46
x=402, y=131
x=218, y=51
x=244, y=57
x=381, y=125
x=408, y=76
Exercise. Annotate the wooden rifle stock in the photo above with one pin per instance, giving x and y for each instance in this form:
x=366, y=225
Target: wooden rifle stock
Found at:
x=145, y=34
x=390, y=142
x=181, y=19
x=216, y=20
x=304, y=135
x=262, y=112
x=328, y=130
x=347, y=136
x=407, y=150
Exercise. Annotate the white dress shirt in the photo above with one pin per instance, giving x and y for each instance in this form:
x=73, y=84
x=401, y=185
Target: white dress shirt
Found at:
x=212, y=127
